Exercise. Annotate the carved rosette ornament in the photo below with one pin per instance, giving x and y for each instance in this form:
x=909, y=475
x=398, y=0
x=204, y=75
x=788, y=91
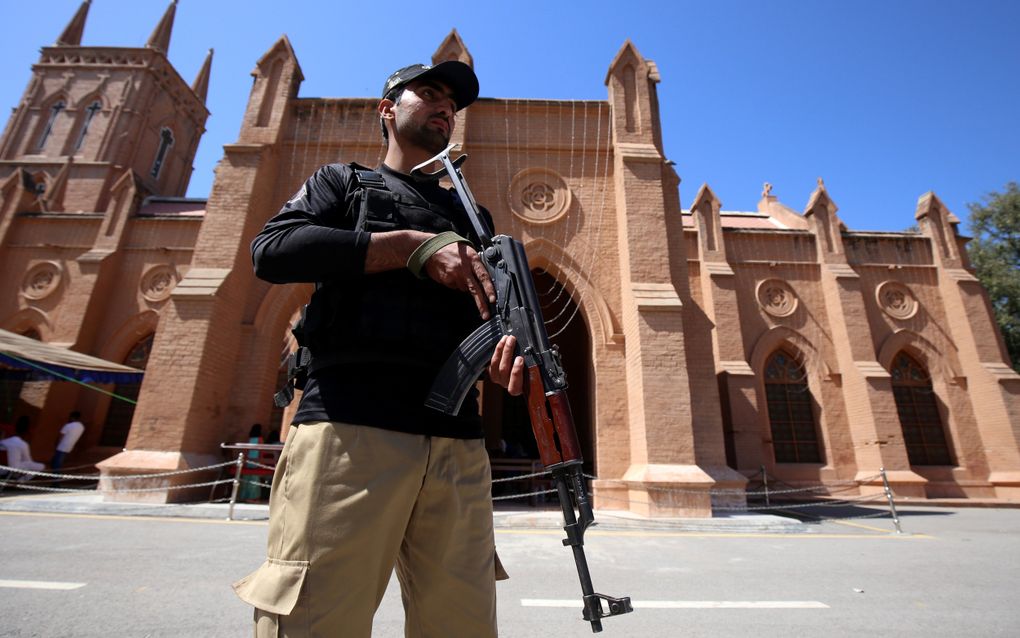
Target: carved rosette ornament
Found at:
x=41, y=280
x=539, y=195
x=158, y=282
x=776, y=297
x=896, y=300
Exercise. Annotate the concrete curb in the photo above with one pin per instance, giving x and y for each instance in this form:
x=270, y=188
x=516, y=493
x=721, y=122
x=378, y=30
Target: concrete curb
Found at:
x=610, y=520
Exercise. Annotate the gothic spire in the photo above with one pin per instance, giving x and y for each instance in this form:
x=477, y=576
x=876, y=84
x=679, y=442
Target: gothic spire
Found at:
x=72, y=33
x=201, y=84
x=160, y=38
x=453, y=48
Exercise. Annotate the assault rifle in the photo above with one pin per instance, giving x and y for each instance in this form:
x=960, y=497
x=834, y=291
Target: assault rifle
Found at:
x=517, y=312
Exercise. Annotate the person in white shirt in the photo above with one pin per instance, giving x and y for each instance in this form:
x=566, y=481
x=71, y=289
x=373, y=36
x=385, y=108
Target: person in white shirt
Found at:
x=19, y=456
x=69, y=435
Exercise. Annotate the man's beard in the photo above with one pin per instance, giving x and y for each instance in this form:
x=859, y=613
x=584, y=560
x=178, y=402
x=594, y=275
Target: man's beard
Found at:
x=423, y=136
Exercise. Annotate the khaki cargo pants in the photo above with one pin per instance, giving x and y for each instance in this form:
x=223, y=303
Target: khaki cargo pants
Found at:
x=351, y=502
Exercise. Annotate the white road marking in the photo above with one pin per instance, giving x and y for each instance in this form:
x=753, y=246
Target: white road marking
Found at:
x=39, y=584
x=688, y=604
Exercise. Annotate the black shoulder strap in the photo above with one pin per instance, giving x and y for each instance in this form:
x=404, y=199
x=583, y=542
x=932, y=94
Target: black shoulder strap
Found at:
x=368, y=178
x=374, y=194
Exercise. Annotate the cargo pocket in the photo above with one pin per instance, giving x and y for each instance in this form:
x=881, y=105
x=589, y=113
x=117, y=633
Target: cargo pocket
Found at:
x=274, y=587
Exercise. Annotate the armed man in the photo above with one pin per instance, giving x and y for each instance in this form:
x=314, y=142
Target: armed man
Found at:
x=371, y=480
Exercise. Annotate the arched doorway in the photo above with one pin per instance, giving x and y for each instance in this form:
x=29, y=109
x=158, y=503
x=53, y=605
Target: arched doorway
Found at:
x=118, y=418
x=506, y=418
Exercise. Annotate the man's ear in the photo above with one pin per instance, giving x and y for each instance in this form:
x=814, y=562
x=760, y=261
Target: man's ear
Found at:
x=385, y=109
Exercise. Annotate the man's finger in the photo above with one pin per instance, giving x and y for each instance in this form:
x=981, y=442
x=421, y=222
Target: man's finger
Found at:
x=497, y=356
x=502, y=356
x=507, y=360
x=516, y=385
x=472, y=287
x=483, y=276
x=480, y=302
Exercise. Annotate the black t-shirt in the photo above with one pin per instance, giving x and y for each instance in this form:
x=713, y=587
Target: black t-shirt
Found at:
x=313, y=239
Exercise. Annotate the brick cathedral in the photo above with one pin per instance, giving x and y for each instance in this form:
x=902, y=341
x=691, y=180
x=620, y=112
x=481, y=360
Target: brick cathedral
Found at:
x=703, y=346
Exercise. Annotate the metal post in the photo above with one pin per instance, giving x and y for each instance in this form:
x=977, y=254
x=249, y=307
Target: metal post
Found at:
x=765, y=483
x=892, y=505
x=237, y=485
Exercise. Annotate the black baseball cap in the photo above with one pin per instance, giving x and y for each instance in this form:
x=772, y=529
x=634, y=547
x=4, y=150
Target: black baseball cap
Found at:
x=458, y=76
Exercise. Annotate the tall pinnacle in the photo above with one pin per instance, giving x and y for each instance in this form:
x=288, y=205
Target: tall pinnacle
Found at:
x=201, y=84
x=73, y=32
x=160, y=38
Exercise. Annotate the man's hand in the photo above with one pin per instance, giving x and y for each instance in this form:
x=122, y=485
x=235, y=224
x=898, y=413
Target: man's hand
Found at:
x=459, y=266
x=505, y=369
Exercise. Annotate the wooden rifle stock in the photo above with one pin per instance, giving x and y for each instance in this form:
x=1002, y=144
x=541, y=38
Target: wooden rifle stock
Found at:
x=551, y=421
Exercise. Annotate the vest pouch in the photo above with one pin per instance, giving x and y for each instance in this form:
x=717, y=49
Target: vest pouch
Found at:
x=423, y=219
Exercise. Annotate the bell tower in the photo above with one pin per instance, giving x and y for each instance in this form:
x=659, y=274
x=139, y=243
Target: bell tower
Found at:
x=90, y=114
x=98, y=129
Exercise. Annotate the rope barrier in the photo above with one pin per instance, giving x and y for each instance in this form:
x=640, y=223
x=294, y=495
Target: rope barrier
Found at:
x=521, y=477
x=257, y=465
x=116, y=477
x=811, y=491
x=525, y=495
x=819, y=493
x=39, y=488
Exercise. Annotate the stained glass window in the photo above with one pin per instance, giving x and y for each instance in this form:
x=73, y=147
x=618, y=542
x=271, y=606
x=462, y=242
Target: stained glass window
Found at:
x=791, y=412
x=916, y=404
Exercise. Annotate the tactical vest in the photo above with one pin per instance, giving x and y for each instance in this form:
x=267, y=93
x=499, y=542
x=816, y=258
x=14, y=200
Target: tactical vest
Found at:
x=390, y=316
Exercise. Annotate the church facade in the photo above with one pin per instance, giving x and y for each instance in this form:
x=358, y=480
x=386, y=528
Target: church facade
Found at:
x=703, y=346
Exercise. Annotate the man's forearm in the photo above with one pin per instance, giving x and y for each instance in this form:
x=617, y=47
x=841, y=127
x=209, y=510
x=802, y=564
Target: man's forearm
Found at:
x=391, y=250
x=296, y=253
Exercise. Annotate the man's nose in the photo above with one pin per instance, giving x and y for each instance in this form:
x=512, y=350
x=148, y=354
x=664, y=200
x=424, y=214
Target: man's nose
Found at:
x=447, y=107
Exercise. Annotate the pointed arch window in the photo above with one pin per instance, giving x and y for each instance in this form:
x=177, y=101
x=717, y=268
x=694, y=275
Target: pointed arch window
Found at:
x=791, y=410
x=90, y=112
x=55, y=111
x=166, y=140
x=916, y=404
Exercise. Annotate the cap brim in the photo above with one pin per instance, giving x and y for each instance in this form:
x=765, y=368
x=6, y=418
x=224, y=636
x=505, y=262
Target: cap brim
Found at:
x=459, y=77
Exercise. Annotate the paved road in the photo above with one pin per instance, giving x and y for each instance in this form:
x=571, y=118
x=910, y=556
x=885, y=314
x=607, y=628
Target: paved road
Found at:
x=955, y=573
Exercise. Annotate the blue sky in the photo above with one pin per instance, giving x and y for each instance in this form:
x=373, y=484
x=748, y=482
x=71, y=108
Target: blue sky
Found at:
x=884, y=100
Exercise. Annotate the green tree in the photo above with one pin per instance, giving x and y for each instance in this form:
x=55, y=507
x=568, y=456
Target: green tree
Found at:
x=995, y=254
